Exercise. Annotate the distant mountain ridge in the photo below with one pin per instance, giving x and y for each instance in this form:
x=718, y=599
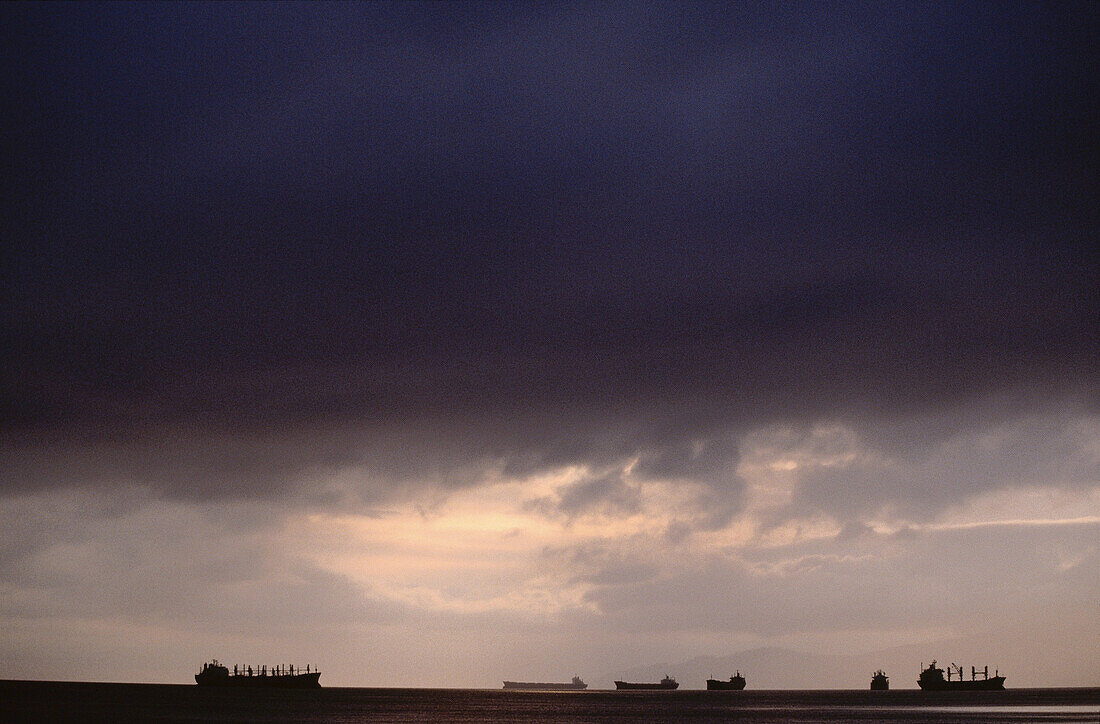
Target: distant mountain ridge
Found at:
x=781, y=668
x=763, y=668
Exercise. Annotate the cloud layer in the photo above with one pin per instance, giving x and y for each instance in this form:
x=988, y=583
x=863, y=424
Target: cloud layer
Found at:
x=601, y=334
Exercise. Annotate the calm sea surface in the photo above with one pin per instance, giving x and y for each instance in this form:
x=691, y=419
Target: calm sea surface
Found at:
x=37, y=701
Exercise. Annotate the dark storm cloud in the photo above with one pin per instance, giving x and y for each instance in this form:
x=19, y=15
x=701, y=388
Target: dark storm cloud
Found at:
x=535, y=236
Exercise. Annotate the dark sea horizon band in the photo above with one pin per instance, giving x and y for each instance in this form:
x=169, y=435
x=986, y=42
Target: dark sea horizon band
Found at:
x=26, y=701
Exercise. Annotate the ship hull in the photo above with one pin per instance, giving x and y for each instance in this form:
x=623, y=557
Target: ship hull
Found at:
x=631, y=685
x=720, y=685
x=993, y=683
x=286, y=681
x=541, y=686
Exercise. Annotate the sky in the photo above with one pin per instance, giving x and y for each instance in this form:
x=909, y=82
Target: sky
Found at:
x=442, y=344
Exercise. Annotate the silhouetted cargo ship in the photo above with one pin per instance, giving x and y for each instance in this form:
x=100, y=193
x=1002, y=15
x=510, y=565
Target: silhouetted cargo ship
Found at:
x=880, y=681
x=276, y=677
x=735, y=683
x=575, y=685
x=666, y=683
x=932, y=679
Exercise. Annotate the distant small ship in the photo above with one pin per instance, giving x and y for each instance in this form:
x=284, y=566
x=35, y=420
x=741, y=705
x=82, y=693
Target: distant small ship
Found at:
x=276, y=677
x=575, y=685
x=736, y=683
x=880, y=681
x=932, y=679
x=666, y=683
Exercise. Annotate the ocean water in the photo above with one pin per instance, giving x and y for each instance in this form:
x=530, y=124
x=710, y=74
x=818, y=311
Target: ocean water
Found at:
x=36, y=701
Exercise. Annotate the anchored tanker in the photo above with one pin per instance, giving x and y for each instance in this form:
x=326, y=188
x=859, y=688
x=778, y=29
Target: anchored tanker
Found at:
x=575, y=685
x=735, y=683
x=261, y=677
x=932, y=679
x=666, y=683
